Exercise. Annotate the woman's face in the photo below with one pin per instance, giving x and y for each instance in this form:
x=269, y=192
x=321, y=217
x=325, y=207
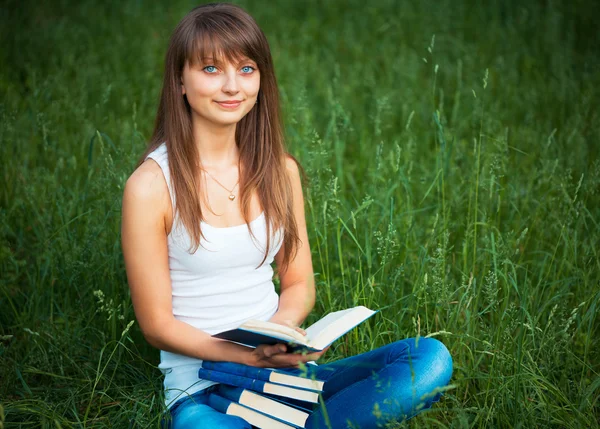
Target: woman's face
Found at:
x=209, y=86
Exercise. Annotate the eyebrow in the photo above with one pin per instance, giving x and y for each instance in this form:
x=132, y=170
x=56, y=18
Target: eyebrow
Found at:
x=204, y=59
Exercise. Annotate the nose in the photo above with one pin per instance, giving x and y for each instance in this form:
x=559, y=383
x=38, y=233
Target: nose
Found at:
x=231, y=85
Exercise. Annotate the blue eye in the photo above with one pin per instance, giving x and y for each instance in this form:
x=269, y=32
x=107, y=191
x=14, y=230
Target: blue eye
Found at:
x=245, y=69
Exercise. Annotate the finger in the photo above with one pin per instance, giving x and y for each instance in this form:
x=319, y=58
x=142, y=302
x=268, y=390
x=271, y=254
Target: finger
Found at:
x=286, y=360
x=304, y=358
x=277, y=349
x=322, y=352
x=314, y=356
x=307, y=353
x=299, y=329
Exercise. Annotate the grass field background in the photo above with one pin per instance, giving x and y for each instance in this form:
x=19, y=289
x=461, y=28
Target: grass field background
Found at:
x=453, y=156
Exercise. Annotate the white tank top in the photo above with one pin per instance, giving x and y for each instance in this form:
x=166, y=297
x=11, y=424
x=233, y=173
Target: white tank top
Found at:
x=216, y=288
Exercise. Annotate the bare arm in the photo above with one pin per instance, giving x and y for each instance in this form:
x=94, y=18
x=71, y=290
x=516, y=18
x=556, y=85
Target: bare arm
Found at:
x=145, y=223
x=297, y=296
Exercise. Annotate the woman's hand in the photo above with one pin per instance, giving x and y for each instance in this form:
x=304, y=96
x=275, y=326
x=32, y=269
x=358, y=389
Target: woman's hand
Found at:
x=276, y=356
x=287, y=322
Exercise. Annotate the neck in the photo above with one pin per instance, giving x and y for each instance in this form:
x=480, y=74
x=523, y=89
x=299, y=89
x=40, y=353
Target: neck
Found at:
x=215, y=144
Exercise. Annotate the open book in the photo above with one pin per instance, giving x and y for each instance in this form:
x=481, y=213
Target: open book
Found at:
x=318, y=336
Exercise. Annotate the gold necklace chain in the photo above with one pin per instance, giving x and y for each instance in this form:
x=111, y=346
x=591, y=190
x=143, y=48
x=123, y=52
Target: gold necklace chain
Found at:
x=231, y=196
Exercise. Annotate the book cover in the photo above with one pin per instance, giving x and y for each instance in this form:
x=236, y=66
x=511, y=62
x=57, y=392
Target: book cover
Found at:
x=253, y=417
x=318, y=336
x=265, y=374
x=278, y=409
x=259, y=385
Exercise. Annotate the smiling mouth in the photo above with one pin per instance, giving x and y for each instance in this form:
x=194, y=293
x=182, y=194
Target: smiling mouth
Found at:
x=229, y=104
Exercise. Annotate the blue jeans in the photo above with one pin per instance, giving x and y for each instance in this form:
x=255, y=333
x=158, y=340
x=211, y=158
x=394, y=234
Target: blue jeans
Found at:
x=365, y=391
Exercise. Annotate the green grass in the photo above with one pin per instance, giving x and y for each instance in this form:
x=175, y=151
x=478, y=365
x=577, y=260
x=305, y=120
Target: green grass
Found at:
x=455, y=185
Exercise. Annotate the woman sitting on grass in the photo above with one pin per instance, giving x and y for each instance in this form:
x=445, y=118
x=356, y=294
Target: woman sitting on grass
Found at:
x=214, y=202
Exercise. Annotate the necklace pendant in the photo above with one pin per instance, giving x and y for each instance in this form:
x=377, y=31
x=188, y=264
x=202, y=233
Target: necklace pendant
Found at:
x=231, y=197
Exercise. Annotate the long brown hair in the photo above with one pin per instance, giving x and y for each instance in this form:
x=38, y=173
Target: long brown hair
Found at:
x=228, y=30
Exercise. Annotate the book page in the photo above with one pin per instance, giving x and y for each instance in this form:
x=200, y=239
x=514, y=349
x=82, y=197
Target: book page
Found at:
x=320, y=325
x=274, y=329
x=334, y=325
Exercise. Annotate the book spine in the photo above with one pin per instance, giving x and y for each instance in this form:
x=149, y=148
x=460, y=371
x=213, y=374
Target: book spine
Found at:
x=275, y=408
x=238, y=369
x=218, y=403
x=296, y=403
x=254, y=417
x=264, y=374
x=232, y=393
x=233, y=380
x=235, y=394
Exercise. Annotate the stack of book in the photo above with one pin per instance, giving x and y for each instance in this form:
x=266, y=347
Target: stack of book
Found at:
x=265, y=398
x=268, y=398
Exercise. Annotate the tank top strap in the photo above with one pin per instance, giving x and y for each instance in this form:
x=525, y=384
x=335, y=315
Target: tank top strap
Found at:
x=161, y=157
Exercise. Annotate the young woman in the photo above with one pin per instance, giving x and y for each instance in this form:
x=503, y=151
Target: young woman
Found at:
x=215, y=201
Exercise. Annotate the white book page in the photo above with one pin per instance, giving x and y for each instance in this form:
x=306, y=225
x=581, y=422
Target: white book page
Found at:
x=279, y=331
x=255, y=418
x=273, y=408
x=334, y=325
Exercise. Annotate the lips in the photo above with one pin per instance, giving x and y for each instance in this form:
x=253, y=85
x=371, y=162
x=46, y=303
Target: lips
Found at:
x=231, y=103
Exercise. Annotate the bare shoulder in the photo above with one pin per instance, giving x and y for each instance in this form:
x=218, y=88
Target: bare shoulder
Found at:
x=147, y=184
x=146, y=195
x=293, y=167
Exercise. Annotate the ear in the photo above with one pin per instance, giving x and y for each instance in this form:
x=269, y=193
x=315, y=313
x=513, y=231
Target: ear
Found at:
x=182, y=88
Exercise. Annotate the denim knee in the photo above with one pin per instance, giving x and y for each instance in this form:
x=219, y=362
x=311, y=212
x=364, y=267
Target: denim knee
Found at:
x=435, y=367
x=440, y=357
x=430, y=350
